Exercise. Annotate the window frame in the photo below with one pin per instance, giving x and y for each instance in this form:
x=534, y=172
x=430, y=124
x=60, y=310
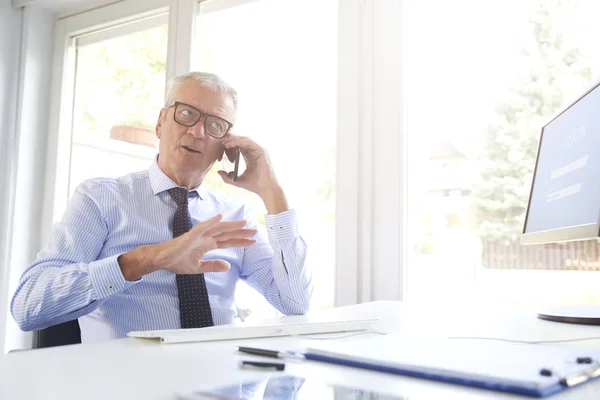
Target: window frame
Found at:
x=370, y=251
x=97, y=36
x=126, y=15
x=371, y=244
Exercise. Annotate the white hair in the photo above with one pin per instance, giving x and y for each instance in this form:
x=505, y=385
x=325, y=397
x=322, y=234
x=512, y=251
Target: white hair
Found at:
x=212, y=81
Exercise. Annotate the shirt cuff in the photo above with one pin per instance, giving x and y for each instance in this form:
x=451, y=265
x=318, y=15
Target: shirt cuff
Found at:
x=282, y=226
x=107, y=278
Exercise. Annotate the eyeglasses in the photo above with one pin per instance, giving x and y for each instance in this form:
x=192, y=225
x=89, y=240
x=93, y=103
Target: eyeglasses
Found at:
x=187, y=115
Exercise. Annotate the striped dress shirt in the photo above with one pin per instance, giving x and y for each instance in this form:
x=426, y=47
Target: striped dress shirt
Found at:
x=77, y=275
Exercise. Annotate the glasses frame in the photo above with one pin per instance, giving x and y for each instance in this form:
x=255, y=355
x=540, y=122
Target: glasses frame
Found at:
x=201, y=115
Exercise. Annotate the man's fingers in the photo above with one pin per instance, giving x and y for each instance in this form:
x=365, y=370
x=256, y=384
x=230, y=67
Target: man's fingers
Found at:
x=202, y=227
x=224, y=227
x=247, y=146
x=236, y=243
x=239, y=182
x=227, y=177
x=213, y=266
x=242, y=142
x=237, y=234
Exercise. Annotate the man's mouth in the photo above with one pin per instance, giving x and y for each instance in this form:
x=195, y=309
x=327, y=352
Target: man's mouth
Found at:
x=191, y=149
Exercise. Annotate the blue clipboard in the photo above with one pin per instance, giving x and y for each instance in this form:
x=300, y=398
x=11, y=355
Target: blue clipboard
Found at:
x=526, y=369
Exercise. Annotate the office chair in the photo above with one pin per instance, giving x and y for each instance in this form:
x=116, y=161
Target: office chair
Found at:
x=57, y=335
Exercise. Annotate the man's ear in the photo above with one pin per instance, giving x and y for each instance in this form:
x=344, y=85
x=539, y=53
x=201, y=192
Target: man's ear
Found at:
x=159, y=123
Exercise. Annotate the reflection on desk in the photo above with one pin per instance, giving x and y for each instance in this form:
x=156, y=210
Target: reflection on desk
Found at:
x=287, y=387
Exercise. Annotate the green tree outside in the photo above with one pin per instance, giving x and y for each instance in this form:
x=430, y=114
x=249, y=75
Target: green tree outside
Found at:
x=122, y=80
x=556, y=72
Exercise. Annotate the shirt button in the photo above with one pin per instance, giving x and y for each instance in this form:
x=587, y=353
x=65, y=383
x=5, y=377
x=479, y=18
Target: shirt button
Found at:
x=110, y=287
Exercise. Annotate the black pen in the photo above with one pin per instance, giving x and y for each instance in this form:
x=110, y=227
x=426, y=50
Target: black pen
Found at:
x=269, y=353
x=261, y=365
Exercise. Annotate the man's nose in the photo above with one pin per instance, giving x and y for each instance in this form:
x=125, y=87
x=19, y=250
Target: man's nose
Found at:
x=197, y=130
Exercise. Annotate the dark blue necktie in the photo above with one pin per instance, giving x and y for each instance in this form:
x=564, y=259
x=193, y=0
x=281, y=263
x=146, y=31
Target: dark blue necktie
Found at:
x=194, y=307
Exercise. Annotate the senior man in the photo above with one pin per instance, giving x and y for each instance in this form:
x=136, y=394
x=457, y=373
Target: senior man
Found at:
x=158, y=249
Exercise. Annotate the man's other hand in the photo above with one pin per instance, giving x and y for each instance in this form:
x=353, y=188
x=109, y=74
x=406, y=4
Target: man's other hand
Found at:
x=184, y=254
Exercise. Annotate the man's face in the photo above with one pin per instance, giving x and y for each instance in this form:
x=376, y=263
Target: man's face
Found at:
x=188, y=152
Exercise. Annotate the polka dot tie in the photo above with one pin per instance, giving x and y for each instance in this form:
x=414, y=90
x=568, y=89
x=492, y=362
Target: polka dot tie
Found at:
x=194, y=307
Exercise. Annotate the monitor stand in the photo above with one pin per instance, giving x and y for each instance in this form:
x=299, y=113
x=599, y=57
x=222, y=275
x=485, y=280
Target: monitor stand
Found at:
x=584, y=315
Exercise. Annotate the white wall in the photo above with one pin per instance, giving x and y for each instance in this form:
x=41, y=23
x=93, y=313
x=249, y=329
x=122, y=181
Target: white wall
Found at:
x=26, y=40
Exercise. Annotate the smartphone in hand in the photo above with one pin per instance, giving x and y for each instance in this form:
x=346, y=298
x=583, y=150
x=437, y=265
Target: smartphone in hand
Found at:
x=232, y=155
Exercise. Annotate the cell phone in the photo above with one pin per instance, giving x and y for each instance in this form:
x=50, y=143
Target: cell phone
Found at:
x=233, y=155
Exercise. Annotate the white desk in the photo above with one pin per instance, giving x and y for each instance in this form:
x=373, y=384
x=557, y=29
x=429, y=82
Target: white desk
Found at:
x=139, y=369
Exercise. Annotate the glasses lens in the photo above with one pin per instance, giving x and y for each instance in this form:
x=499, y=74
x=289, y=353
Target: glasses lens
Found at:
x=216, y=126
x=186, y=115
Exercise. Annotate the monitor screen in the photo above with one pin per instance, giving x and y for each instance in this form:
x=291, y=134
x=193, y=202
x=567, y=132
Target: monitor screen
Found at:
x=565, y=196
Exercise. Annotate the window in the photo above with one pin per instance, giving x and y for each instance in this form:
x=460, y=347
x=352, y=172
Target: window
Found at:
x=479, y=86
x=119, y=91
x=282, y=59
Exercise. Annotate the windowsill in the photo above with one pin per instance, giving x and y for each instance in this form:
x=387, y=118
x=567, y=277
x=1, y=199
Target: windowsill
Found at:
x=116, y=146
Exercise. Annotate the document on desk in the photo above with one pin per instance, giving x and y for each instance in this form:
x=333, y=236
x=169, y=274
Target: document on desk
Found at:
x=242, y=331
x=528, y=369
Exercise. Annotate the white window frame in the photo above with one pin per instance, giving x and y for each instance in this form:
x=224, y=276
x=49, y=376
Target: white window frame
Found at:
x=371, y=248
x=182, y=16
x=96, y=36
x=58, y=162
x=371, y=145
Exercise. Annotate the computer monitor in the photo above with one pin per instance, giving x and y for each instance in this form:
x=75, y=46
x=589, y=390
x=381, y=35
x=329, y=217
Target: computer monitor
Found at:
x=564, y=202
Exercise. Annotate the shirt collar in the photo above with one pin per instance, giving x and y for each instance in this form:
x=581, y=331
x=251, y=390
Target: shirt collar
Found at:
x=160, y=182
